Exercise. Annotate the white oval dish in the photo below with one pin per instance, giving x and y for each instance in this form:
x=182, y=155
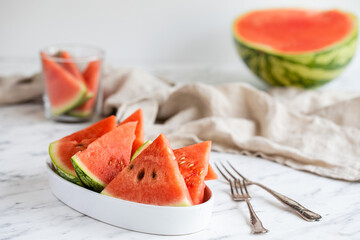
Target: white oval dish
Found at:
x=134, y=216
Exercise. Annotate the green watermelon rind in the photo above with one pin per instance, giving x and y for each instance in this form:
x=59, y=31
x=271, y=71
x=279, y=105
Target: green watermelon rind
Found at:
x=82, y=113
x=63, y=171
x=140, y=149
x=71, y=104
x=86, y=177
x=304, y=70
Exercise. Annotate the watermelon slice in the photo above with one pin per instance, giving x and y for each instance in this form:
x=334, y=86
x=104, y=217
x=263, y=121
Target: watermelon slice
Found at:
x=62, y=150
x=104, y=158
x=91, y=77
x=193, y=163
x=211, y=175
x=140, y=149
x=152, y=178
x=70, y=65
x=137, y=116
x=64, y=91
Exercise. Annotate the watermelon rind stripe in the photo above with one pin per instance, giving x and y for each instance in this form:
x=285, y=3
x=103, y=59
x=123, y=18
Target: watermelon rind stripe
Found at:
x=63, y=171
x=305, y=70
x=80, y=113
x=140, y=149
x=73, y=103
x=69, y=177
x=89, y=180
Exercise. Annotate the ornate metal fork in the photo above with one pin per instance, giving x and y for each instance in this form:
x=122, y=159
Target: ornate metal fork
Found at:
x=305, y=213
x=243, y=195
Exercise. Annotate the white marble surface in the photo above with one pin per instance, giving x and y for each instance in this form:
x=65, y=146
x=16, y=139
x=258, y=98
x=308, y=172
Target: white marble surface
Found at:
x=28, y=209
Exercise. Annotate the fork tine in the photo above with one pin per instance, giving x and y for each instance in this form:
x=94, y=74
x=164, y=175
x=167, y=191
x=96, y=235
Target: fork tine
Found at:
x=223, y=174
x=240, y=187
x=236, y=188
x=245, y=188
x=237, y=171
x=228, y=171
x=232, y=189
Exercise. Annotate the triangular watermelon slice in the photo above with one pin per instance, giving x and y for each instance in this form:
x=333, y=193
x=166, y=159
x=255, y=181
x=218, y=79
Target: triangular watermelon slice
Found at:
x=91, y=77
x=70, y=65
x=104, y=158
x=193, y=164
x=62, y=150
x=137, y=116
x=211, y=175
x=152, y=178
x=64, y=91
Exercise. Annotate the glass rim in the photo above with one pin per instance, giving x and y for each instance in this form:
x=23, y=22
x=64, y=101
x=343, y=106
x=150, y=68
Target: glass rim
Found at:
x=99, y=53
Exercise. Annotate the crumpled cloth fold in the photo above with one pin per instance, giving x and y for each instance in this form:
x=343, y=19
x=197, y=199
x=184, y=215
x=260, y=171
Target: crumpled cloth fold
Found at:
x=314, y=131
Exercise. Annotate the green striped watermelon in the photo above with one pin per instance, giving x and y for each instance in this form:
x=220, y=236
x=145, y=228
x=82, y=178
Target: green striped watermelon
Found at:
x=296, y=47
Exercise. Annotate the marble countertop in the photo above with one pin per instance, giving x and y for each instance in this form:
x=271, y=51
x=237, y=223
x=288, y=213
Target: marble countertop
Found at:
x=28, y=209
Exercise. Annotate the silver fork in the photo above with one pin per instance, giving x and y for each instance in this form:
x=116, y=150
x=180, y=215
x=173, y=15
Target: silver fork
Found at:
x=305, y=213
x=243, y=195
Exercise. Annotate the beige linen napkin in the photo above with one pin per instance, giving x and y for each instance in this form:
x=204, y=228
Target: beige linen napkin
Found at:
x=315, y=131
x=18, y=88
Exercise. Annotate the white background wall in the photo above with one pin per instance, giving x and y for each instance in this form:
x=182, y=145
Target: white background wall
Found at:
x=137, y=31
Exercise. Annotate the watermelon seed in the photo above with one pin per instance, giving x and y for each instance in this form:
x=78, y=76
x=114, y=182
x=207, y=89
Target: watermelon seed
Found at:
x=131, y=166
x=182, y=162
x=141, y=174
x=110, y=162
x=153, y=174
x=201, y=172
x=190, y=165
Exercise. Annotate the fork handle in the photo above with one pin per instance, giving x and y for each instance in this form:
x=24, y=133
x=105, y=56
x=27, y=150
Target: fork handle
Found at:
x=301, y=210
x=256, y=224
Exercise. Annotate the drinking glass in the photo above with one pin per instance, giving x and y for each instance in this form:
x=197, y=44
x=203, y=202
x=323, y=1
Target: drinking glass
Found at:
x=72, y=76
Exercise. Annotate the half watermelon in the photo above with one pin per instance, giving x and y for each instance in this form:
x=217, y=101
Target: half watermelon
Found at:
x=62, y=150
x=105, y=157
x=152, y=178
x=296, y=47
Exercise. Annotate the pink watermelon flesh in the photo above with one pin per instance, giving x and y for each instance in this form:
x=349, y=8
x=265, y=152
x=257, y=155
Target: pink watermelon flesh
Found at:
x=62, y=150
x=293, y=30
x=64, y=91
x=193, y=164
x=152, y=178
x=137, y=116
x=211, y=175
x=70, y=65
x=104, y=158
